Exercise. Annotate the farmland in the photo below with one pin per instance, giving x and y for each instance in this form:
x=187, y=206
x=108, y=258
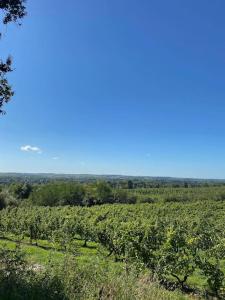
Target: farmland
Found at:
x=171, y=240
x=112, y=175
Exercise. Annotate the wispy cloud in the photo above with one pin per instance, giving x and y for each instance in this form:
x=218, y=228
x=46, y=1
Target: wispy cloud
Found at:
x=55, y=157
x=29, y=148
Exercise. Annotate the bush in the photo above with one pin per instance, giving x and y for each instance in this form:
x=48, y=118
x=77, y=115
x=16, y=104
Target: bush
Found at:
x=21, y=190
x=147, y=200
x=122, y=196
x=6, y=199
x=54, y=194
x=177, y=198
x=103, y=193
x=2, y=201
x=219, y=197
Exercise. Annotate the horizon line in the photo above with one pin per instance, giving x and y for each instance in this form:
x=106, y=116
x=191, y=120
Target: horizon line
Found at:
x=113, y=175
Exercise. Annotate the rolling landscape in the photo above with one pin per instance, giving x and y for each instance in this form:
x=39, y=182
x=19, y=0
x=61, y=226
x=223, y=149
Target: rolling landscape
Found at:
x=143, y=238
x=112, y=157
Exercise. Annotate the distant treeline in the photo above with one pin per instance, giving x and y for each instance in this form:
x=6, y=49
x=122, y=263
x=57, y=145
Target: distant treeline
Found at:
x=113, y=180
x=63, y=193
x=102, y=192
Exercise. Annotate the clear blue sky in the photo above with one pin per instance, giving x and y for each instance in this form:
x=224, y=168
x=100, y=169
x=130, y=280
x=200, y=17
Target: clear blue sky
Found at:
x=117, y=87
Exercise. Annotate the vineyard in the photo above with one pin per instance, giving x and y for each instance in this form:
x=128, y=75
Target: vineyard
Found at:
x=179, y=194
x=179, y=245
x=112, y=182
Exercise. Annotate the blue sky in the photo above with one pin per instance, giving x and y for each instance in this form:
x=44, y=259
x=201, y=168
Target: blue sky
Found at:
x=117, y=87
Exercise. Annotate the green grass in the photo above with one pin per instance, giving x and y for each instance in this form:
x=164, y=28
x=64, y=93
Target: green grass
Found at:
x=90, y=256
x=84, y=255
x=39, y=255
x=35, y=254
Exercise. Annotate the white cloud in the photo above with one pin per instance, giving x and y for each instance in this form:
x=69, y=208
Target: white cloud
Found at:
x=55, y=157
x=28, y=148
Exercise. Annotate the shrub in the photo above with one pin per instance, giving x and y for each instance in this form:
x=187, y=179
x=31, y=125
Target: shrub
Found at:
x=54, y=194
x=177, y=198
x=147, y=200
x=6, y=199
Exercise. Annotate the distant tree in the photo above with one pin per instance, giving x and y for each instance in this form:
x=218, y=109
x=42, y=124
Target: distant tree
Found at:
x=130, y=184
x=2, y=201
x=186, y=185
x=54, y=194
x=122, y=196
x=7, y=199
x=21, y=190
x=90, y=196
x=103, y=193
x=46, y=195
x=11, y=11
x=71, y=194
